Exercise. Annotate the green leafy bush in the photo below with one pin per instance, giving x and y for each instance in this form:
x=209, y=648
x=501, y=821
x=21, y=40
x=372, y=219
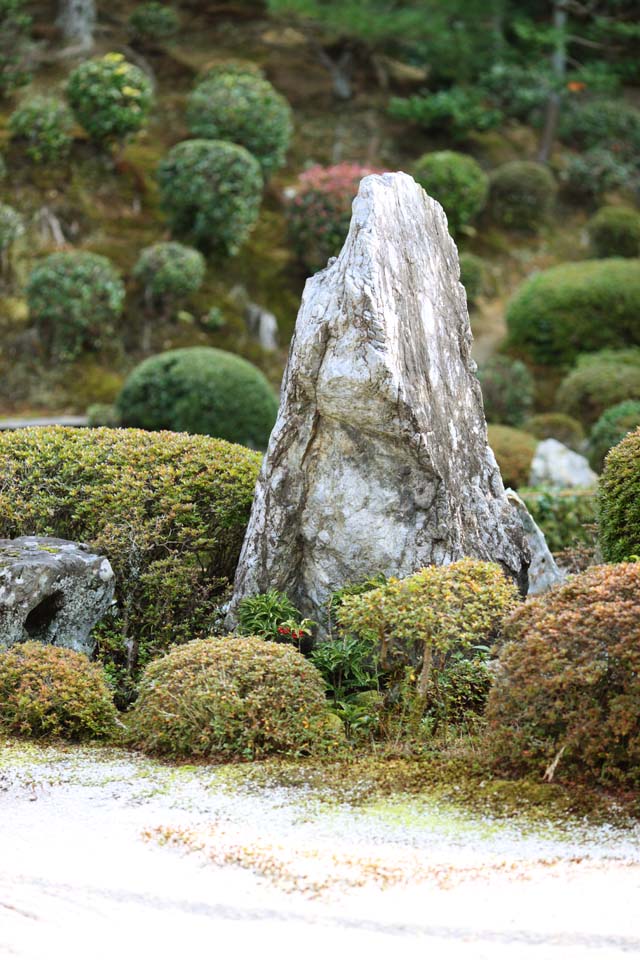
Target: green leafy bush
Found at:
x=456, y=181
x=612, y=124
x=154, y=21
x=558, y=426
x=576, y=308
x=48, y=691
x=472, y=274
x=566, y=517
x=240, y=697
x=14, y=46
x=619, y=501
x=514, y=450
x=168, y=273
x=507, y=390
x=319, y=212
x=458, y=111
x=567, y=688
x=521, y=194
x=614, y=424
x=518, y=92
x=246, y=110
x=599, y=381
x=200, y=390
x=75, y=300
x=44, y=125
x=233, y=67
x=211, y=192
x=615, y=232
x=272, y=616
x=591, y=174
x=110, y=98
x=168, y=510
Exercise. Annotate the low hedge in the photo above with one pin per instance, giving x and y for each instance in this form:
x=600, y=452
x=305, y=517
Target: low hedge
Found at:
x=619, y=501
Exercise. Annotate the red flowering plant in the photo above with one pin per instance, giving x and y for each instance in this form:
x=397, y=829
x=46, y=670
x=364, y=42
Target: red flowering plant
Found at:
x=273, y=616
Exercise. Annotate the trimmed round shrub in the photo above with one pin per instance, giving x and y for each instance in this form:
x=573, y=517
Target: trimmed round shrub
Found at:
x=44, y=126
x=169, y=272
x=472, y=270
x=521, y=194
x=170, y=511
x=11, y=227
x=556, y=426
x=200, y=390
x=48, y=691
x=567, y=687
x=615, y=232
x=232, y=697
x=576, y=308
x=514, y=450
x=507, y=390
x=619, y=500
x=456, y=181
x=319, y=213
x=233, y=68
x=566, y=517
x=154, y=21
x=614, y=424
x=610, y=124
x=599, y=381
x=110, y=98
x=75, y=300
x=242, y=109
x=211, y=192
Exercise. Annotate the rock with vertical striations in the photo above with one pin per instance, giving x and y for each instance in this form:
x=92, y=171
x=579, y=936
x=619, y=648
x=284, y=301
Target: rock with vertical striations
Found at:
x=379, y=460
x=544, y=572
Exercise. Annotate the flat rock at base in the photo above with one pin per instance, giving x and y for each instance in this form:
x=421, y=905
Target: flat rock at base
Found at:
x=544, y=572
x=379, y=460
x=53, y=591
x=555, y=465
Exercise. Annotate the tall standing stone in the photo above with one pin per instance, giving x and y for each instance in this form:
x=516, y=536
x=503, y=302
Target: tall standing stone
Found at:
x=379, y=460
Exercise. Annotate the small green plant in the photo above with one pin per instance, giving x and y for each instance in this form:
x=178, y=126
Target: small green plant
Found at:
x=566, y=517
x=458, y=111
x=168, y=273
x=619, y=501
x=110, y=98
x=507, y=390
x=44, y=126
x=456, y=181
x=273, y=616
x=521, y=195
x=615, y=232
x=153, y=22
x=213, y=319
x=14, y=46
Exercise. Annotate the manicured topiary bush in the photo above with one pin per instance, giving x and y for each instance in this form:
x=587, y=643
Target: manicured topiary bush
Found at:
x=599, y=381
x=558, y=426
x=514, y=451
x=456, y=181
x=614, y=424
x=319, y=213
x=168, y=510
x=565, y=517
x=610, y=124
x=44, y=126
x=246, y=110
x=200, y=390
x=521, y=194
x=153, y=21
x=168, y=273
x=110, y=98
x=567, y=687
x=75, y=299
x=619, y=500
x=507, y=390
x=232, y=697
x=211, y=192
x=576, y=308
x=615, y=232
x=472, y=273
x=48, y=691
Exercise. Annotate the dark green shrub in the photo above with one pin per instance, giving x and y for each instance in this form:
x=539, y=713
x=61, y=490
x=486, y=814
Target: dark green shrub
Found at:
x=507, y=390
x=517, y=91
x=75, y=299
x=48, y=691
x=456, y=181
x=272, y=616
x=614, y=424
x=239, y=697
x=599, y=381
x=200, y=390
x=44, y=125
x=153, y=21
x=168, y=510
x=556, y=426
x=14, y=46
x=458, y=111
x=246, y=110
x=521, y=194
x=211, y=192
x=472, y=273
x=567, y=688
x=566, y=517
x=576, y=308
x=168, y=273
x=619, y=501
x=110, y=98
x=615, y=232
x=514, y=451
x=610, y=124
x=591, y=174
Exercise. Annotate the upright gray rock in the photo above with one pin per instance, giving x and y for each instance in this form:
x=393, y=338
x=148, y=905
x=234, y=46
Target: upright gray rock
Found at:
x=76, y=20
x=544, y=572
x=53, y=591
x=379, y=460
x=555, y=465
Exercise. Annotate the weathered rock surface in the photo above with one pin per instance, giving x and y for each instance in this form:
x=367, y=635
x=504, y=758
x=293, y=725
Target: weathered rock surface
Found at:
x=53, y=591
x=555, y=465
x=379, y=458
x=544, y=572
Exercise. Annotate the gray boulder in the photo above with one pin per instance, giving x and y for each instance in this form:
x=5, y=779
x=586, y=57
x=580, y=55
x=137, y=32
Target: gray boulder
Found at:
x=544, y=572
x=379, y=460
x=53, y=591
x=555, y=465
